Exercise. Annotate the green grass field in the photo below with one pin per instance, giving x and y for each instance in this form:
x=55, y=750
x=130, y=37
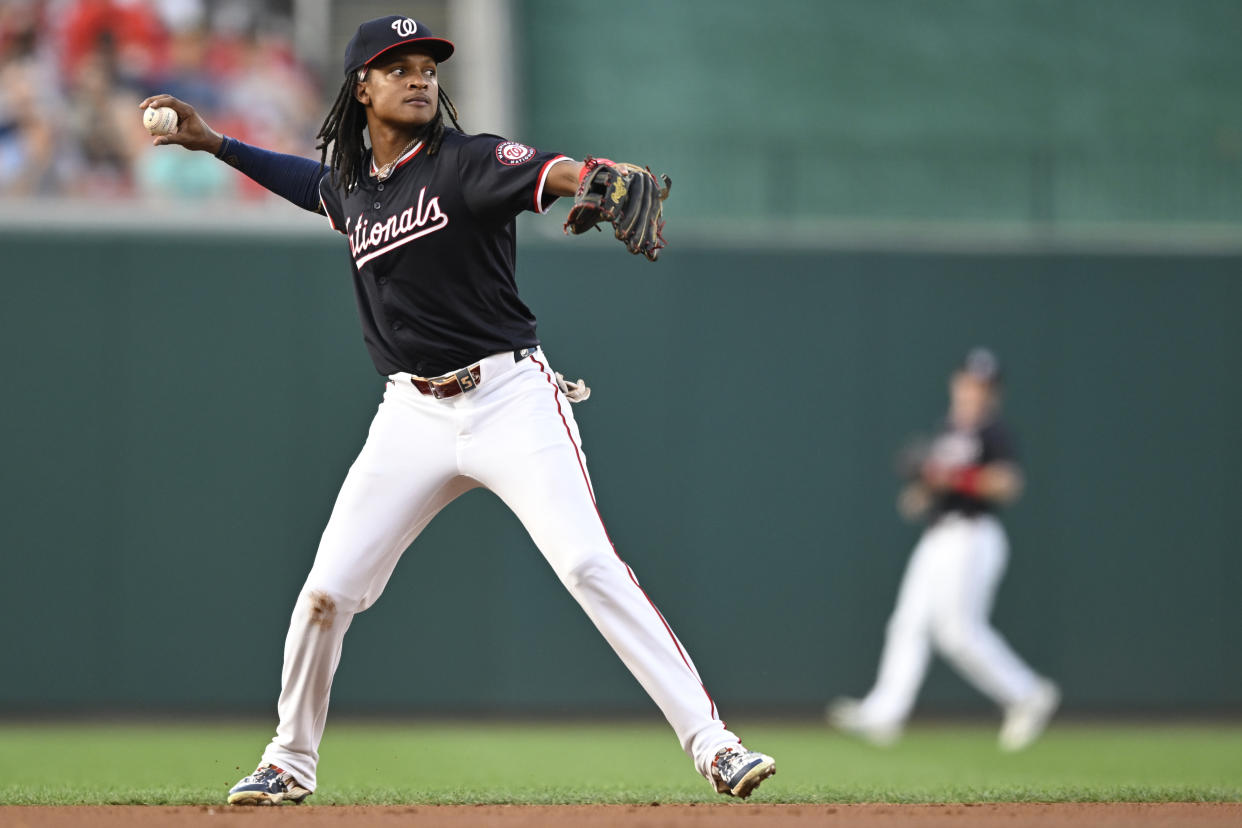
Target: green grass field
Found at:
x=447, y=763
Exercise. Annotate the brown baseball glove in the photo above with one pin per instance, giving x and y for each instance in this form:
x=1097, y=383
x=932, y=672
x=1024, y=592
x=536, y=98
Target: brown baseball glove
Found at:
x=628, y=197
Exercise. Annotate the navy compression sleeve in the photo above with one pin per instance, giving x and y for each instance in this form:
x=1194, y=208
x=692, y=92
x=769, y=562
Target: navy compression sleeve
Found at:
x=291, y=177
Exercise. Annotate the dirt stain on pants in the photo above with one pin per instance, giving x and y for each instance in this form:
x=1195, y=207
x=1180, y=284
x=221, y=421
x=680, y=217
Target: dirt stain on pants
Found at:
x=322, y=610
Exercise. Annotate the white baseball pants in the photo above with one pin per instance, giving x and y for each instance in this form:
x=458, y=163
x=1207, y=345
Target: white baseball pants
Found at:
x=514, y=434
x=944, y=602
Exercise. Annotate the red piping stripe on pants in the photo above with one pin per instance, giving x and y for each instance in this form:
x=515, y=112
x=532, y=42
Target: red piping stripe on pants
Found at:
x=556, y=396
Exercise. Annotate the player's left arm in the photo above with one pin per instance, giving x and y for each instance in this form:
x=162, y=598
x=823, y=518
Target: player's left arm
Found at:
x=563, y=179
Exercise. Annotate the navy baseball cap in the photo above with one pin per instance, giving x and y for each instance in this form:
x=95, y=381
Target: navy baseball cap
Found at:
x=983, y=365
x=377, y=36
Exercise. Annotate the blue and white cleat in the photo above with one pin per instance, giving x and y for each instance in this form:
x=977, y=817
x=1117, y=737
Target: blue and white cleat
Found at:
x=738, y=771
x=268, y=785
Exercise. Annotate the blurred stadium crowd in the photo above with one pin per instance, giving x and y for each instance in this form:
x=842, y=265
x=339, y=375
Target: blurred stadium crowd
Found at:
x=73, y=71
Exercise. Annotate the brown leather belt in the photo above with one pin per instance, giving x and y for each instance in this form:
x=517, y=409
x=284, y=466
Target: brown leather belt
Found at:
x=449, y=385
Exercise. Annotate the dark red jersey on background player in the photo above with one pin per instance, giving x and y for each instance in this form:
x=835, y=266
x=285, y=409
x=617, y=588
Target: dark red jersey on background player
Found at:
x=428, y=213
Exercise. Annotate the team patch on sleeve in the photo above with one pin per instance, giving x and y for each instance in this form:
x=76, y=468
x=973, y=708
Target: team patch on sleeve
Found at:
x=511, y=153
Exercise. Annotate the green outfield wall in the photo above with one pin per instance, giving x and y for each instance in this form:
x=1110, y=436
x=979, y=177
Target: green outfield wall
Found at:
x=174, y=437
x=1048, y=112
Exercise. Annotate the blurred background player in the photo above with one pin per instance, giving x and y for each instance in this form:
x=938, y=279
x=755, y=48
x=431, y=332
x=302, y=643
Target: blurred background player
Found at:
x=946, y=595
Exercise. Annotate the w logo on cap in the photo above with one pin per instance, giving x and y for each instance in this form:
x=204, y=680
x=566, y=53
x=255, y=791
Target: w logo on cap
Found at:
x=405, y=27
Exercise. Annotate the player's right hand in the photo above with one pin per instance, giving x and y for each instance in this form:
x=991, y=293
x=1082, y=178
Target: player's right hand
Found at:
x=191, y=131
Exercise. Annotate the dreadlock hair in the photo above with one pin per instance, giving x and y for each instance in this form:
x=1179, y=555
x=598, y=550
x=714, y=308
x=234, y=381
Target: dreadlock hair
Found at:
x=341, y=132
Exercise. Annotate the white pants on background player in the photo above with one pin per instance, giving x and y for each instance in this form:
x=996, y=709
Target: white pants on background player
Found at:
x=515, y=435
x=944, y=602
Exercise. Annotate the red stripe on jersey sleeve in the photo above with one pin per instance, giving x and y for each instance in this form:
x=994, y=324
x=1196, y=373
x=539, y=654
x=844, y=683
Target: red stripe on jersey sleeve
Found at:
x=543, y=178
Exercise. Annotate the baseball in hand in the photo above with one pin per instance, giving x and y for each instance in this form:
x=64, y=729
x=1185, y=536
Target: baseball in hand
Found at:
x=159, y=120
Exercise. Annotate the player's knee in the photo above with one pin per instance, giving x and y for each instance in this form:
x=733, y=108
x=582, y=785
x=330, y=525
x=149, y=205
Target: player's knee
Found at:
x=957, y=638
x=323, y=608
x=594, y=571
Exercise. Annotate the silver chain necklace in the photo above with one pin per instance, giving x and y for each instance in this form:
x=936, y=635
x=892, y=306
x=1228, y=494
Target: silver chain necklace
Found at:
x=383, y=172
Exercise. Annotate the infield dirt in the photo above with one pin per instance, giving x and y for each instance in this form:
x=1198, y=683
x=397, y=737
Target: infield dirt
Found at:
x=1010, y=815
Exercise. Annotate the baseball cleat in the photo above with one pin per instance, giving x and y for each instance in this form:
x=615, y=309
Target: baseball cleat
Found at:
x=847, y=715
x=268, y=785
x=738, y=771
x=1025, y=720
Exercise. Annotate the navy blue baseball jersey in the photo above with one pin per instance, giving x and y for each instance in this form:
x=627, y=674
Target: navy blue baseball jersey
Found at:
x=432, y=248
x=963, y=448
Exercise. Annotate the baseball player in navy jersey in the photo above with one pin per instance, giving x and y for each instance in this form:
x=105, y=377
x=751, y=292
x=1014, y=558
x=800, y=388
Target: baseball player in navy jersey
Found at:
x=428, y=214
x=946, y=595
